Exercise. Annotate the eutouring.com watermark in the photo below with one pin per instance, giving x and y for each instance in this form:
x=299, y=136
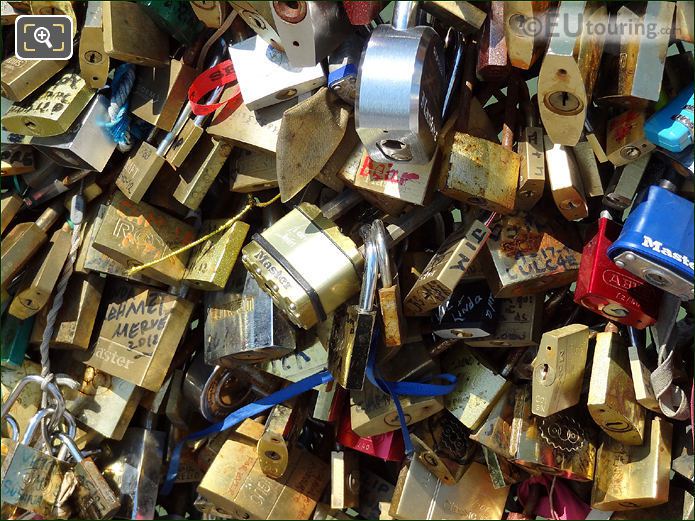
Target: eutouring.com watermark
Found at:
x=573, y=25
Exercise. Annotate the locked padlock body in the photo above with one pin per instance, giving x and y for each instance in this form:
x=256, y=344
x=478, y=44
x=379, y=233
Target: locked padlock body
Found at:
x=139, y=171
x=656, y=242
x=625, y=139
x=565, y=181
x=259, y=17
x=519, y=322
x=609, y=290
x=94, y=62
x=199, y=170
x=470, y=312
x=349, y=346
x=306, y=264
x=531, y=166
x=130, y=35
x=345, y=479
x=672, y=127
x=624, y=183
x=22, y=77
x=405, y=125
x=524, y=49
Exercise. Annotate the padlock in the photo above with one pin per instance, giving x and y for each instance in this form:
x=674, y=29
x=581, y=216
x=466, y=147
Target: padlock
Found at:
x=159, y=93
x=266, y=77
x=495, y=433
x=14, y=341
x=345, y=479
x=10, y=13
x=309, y=31
x=595, y=132
x=259, y=17
x=212, y=14
x=658, y=247
x=133, y=469
x=625, y=139
x=588, y=168
x=477, y=387
x=211, y=262
x=22, y=77
x=443, y=446
x=477, y=171
x=633, y=69
x=342, y=67
x=387, y=446
x=611, y=401
x=470, y=312
x=242, y=324
x=530, y=146
x=569, y=69
x=9, y=443
x=465, y=17
x=560, y=445
x=176, y=19
x=139, y=335
x=130, y=35
x=309, y=357
x=493, y=62
x=528, y=253
x=52, y=110
x=94, y=62
x=565, y=181
x=609, y=290
x=53, y=7
x=94, y=497
x=502, y=472
x=10, y=205
x=26, y=402
x=640, y=371
x=24, y=240
x=519, y=322
x=351, y=337
x=630, y=477
x=419, y=494
x=36, y=286
x=623, y=185
x=32, y=478
x=252, y=171
x=524, y=47
x=133, y=234
x=282, y=428
x=672, y=127
x=437, y=282
x=558, y=369
x=17, y=160
x=390, y=304
x=406, y=129
x=87, y=144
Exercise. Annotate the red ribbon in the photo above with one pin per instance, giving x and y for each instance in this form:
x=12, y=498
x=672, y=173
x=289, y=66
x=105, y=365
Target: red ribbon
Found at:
x=217, y=76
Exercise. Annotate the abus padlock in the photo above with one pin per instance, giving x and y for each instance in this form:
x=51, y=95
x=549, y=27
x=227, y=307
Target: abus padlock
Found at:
x=672, y=127
x=405, y=125
x=609, y=290
x=656, y=243
x=309, y=31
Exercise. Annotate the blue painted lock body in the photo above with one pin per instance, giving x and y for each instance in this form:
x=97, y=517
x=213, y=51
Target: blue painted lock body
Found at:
x=659, y=233
x=672, y=127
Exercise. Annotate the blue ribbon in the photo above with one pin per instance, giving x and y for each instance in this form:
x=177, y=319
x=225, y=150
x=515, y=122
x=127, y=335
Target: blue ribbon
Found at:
x=238, y=416
x=394, y=389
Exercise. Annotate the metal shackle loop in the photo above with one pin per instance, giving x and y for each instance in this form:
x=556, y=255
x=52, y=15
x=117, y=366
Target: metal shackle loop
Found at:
x=368, y=290
x=404, y=15
x=69, y=443
x=14, y=427
x=51, y=387
x=379, y=238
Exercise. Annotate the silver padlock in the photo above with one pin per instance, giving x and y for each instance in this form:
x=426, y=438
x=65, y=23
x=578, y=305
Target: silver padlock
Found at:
x=309, y=31
x=400, y=90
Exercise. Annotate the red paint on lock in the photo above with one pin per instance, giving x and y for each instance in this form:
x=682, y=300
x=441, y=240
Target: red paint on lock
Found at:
x=362, y=13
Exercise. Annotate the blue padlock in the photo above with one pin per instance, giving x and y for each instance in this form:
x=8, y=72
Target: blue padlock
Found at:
x=672, y=127
x=656, y=242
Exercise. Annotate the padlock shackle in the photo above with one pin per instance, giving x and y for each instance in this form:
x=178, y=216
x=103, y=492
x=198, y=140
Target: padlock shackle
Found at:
x=379, y=238
x=14, y=427
x=404, y=15
x=70, y=444
x=368, y=289
x=51, y=387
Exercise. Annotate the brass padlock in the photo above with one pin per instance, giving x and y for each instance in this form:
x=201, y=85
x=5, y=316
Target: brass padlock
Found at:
x=159, y=93
x=390, y=302
x=134, y=234
x=524, y=47
x=252, y=171
x=309, y=357
x=199, y=170
x=94, y=62
x=531, y=149
x=558, y=369
x=518, y=323
x=345, y=479
x=568, y=73
x=281, y=431
x=139, y=171
x=565, y=181
x=139, y=335
x=528, y=253
x=419, y=495
x=22, y=77
x=52, y=110
x=477, y=387
x=24, y=240
x=561, y=445
x=625, y=140
x=495, y=433
x=42, y=275
x=442, y=274
x=130, y=35
x=611, y=402
x=10, y=204
x=630, y=477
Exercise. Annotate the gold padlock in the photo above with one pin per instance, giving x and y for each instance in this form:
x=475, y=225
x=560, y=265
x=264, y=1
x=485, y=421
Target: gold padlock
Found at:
x=22, y=77
x=134, y=234
x=138, y=338
x=94, y=62
x=139, y=171
x=531, y=149
x=568, y=73
x=518, y=323
x=524, y=48
x=252, y=171
x=52, y=110
x=565, y=181
x=10, y=204
x=629, y=477
x=345, y=479
x=199, y=170
x=626, y=141
x=131, y=36
x=611, y=402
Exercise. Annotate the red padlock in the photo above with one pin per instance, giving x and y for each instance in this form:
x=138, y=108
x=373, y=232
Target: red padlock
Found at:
x=388, y=446
x=362, y=13
x=610, y=291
